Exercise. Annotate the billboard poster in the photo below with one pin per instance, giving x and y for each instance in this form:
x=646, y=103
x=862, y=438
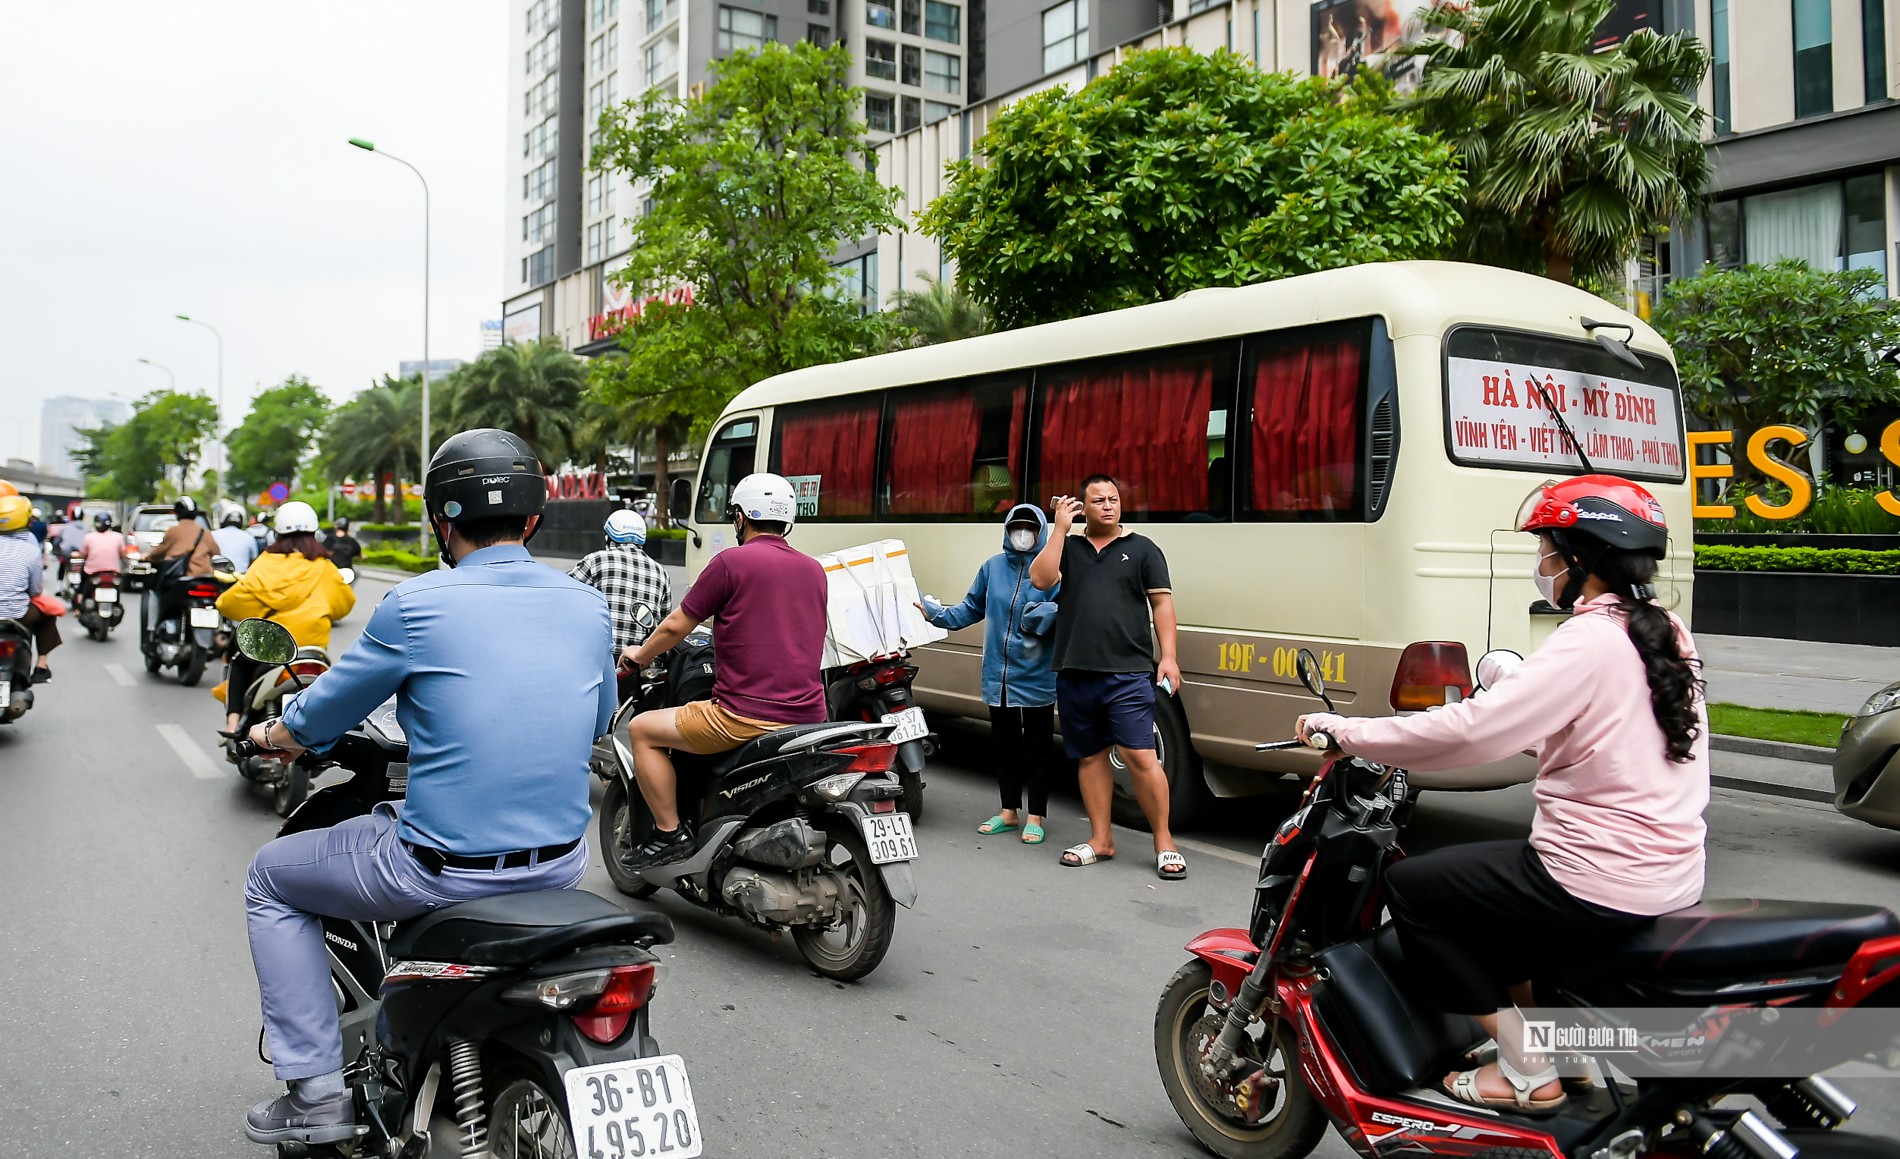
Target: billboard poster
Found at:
x=1352, y=34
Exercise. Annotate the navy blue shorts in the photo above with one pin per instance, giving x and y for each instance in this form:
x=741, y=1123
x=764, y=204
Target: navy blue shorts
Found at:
x=1100, y=709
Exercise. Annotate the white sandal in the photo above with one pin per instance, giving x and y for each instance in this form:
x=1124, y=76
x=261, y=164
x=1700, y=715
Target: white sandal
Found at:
x=1084, y=854
x=1167, y=858
x=1464, y=1088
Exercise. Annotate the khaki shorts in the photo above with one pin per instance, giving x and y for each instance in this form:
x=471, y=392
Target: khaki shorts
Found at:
x=705, y=727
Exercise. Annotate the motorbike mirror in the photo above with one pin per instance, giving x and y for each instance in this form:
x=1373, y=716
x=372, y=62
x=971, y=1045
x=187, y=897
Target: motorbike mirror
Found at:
x=642, y=615
x=1307, y=665
x=266, y=642
x=1495, y=665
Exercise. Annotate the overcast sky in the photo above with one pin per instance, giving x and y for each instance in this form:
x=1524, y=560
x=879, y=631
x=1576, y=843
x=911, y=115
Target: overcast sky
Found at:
x=190, y=157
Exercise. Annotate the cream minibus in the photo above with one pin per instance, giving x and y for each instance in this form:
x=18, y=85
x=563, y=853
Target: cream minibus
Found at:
x=1330, y=461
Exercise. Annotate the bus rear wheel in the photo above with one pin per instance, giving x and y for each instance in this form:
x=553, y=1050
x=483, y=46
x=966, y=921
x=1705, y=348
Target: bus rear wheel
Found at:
x=1188, y=794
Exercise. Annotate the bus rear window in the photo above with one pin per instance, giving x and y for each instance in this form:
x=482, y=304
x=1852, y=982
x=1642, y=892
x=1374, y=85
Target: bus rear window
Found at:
x=1500, y=388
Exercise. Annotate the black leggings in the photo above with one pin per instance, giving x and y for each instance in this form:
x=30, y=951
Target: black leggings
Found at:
x=243, y=672
x=1022, y=737
x=1476, y=919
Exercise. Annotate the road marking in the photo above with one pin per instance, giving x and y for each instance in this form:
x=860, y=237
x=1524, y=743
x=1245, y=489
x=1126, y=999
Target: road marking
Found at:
x=119, y=674
x=1218, y=851
x=201, y=766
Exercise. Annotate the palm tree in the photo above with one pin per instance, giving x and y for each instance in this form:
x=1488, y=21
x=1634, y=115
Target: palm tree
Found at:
x=604, y=425
x=938, y=313
x=533, y=389
x=368, y=439
x=1573, y=154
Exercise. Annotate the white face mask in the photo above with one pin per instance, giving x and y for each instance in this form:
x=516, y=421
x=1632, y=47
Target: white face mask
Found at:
x=1022, y=539
x=1547, y=584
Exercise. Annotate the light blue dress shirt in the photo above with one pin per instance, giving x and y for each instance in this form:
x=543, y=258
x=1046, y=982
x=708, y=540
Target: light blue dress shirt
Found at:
x=503, y=674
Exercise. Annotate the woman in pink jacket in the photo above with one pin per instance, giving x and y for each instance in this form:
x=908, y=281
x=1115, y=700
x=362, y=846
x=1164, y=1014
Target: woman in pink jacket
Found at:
x=1612, y=706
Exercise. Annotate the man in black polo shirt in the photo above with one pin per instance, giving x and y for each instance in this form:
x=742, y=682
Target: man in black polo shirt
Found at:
x=1106, y=668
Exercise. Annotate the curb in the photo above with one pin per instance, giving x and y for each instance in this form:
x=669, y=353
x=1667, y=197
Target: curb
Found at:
x=1770, y=789
x=1780, y=750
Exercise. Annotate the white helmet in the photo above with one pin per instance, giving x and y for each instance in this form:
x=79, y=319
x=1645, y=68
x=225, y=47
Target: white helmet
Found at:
x=765, y=497
x=295, y=516
x=626, y=527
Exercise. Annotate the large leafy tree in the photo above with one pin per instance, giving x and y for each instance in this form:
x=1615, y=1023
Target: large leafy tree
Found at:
x=533, y=389
x=269, y=445
x=1573, y=154
x=1784, y=343
x=1177, y=170
x=754, y=186
x=136, y=460
x=367, y=439
x=656, y=419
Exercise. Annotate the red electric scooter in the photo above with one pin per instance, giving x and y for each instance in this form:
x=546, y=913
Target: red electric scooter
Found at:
x=1304, y=1020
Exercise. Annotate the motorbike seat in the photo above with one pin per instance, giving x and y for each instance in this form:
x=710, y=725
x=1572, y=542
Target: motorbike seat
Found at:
x=516, y=929
x=1728, y=937
x=764, y=747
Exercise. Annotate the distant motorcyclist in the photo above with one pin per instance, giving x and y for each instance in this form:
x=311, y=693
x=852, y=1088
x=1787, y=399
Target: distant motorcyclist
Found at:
x=104, y=551
x=628, y=577
x=502, y=679
x=767, y=601
x=72, y=536
x=343, y=546
x=293, y=583
x=36, y=523
x=22, y=574
x=188, y=542
x=236, y=544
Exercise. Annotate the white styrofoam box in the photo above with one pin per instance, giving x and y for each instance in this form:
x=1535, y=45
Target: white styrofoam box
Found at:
x=872, y=609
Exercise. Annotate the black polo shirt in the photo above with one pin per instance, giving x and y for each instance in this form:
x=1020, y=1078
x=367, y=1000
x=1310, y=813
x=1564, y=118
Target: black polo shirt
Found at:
x=1102, y=621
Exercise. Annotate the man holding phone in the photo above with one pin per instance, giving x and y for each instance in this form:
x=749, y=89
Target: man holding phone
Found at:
x=1112, y=581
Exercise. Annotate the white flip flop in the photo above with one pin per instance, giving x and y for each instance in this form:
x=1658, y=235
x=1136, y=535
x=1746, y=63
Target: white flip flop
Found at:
x=1166, y=858
x=1084, y=854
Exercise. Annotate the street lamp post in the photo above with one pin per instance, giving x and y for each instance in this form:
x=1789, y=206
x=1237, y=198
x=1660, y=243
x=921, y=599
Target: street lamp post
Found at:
x=166, y=369
x=217, y=428
x=422, y=536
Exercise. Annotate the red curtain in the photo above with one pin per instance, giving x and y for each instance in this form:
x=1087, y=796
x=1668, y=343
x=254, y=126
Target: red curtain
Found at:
x=1306, y=420
x=838, y=443
x=932, y=452
x=1145, y=424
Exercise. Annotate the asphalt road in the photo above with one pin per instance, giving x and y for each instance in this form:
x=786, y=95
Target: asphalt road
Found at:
x=1012, y=1016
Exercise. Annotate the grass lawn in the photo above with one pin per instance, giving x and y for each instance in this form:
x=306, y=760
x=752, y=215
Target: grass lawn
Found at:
x=1813, y=728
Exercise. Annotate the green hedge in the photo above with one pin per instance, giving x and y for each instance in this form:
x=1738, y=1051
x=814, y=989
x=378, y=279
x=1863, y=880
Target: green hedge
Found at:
x=1844, y=561
x=404, y=560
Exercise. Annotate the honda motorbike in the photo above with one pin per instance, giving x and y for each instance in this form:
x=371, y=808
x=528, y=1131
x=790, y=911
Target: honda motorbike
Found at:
x=1304, y=1018
x=527, y=1012
x=192, y=631
x=100, y=609
x=71, y=574
x=879, y=690
x=288, y=781
x=16, y=670
x=798, y=830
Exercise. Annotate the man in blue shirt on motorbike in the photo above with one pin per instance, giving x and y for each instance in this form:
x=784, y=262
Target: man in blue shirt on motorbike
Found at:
x=502, y=670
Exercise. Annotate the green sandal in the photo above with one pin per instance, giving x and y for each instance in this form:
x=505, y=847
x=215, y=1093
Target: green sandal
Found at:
x=994, y=826
x=1032, y=834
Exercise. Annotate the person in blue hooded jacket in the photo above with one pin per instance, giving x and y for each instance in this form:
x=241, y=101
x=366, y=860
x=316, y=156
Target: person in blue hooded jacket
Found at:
x=1019, y=680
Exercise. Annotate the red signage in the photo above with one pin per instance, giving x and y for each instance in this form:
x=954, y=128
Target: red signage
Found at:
x=608, y=322
x=587, y=485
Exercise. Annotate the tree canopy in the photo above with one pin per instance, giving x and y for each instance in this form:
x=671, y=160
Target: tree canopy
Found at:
x=269, y=446
x=754, y=187
x=134, y=461
x=1573, y=154
x=533, y=389
x=1177, y=170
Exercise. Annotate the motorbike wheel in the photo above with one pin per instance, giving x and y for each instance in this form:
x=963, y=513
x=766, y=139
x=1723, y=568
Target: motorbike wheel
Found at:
x=869, y=916
x=621, y=827
x=152, y=662
x=1188, y=794
x=526, y=1120
x=290, y=791
x=193, y=669
x=99, y=631
x=1294, y=1125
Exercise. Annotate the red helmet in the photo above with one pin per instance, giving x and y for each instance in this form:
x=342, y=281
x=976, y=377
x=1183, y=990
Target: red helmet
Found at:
x=1609, y=509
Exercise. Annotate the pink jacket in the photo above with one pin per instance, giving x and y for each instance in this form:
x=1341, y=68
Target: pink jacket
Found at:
x=1618, y=823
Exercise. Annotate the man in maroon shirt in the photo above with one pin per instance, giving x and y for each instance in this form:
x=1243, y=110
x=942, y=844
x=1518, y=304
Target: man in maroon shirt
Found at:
x=767, y=602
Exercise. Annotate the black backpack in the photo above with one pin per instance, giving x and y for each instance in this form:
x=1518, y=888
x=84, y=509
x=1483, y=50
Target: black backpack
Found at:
x=689, y=673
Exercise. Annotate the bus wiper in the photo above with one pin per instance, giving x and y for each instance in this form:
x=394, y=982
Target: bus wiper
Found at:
x=1550, y=404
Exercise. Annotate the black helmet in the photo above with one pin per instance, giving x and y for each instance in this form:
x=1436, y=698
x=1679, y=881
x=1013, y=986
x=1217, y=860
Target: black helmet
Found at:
x=483, y=473
x=341, y=525
x=185, y=508
x=103, y=520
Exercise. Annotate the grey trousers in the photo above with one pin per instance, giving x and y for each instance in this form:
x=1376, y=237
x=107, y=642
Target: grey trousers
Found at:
x=356, y=870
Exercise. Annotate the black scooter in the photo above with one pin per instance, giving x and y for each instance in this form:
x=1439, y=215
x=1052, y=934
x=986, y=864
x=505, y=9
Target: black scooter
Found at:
x=528, y=1009
x=16, y=670
x=190, y=634
x=798, y=830
x=879, y=690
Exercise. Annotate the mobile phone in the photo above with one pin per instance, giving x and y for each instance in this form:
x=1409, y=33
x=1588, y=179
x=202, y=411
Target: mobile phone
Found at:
x=1167, y=686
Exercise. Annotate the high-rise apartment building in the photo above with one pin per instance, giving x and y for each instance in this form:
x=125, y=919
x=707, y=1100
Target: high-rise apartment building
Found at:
x=61, y=420
x=570, y=59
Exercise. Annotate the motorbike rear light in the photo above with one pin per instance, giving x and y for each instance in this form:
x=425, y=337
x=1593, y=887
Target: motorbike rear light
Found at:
x=106, y=579
x=836, y=786
x=1429, y=673
x=886, y=806
x=7, y=649
x=889, y=675
x=627, y=990
x=202, y=592
x=310, y=669
x=868, y=684
x=869, y=758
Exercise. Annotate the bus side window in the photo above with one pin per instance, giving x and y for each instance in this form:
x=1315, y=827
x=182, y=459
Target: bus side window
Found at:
x=729, y=458
x=954, y=451
x=828, y=449
x=1306, y=397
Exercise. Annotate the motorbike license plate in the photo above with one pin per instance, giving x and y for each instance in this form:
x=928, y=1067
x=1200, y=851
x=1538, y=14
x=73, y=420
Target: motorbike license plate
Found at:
x=889, y=837
x=204, y=617
x=910, y=725
x=626, y=1110
x=106, y=595
x=6, y=690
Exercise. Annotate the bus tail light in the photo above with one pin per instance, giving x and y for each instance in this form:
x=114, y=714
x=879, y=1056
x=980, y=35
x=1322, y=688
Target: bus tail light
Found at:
x=1431, y=673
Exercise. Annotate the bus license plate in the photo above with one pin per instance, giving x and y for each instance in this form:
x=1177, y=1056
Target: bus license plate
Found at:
x=622, y=1110
x=909, y=725
x=106, y=595
x=889, y=837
